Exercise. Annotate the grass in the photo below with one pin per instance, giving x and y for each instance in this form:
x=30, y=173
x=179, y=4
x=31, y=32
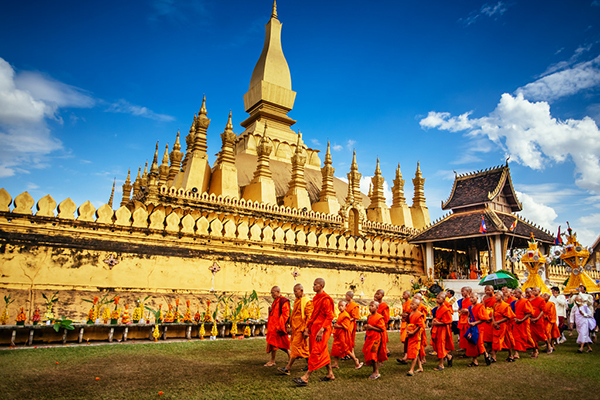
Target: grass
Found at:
x=233, y=369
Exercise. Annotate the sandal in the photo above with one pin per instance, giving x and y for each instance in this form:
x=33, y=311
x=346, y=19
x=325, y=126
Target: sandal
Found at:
x=401, y=361
x=488, y=359
x=450, y=361
x=326, y=379
x=473, y=365
x=300, y=382
x=283, y=370
x=374, y=376
x=439, y=369
x=410, y=373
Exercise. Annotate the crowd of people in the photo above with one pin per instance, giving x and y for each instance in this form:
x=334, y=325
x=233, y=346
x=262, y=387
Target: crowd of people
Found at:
x=513, y=320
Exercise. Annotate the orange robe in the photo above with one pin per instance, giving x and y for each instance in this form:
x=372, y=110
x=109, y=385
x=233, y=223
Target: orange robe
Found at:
x=480, y=313
x=321, y=317
x=522, y=332
x=552, y=331
x=424, y=310
x=441, y=335
x=463, y=322
x=414, y=342
x=341, y=336
x=485, y=329
x=405, y=309
x=374, y=348
x=277, y=336
x=384, y=311
x=538, y=329
x=473, y=273
x=354, y=311
x=502, y=338
x=300, y=314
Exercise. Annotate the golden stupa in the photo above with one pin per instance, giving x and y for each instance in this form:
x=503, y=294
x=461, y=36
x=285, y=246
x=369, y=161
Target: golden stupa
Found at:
x=535, y=262
x=576, y=256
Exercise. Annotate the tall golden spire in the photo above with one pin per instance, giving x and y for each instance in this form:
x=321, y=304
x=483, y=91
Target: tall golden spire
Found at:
x=328, y=202
x=144, y=181
x=400, y=212
x=419, y=184
x=354, y=178
x=152, y=190
x=175, y=158
x=378, y=211
x=297, y=195
x=137, y=185
x=274, y=13
x=223, y=181
x=163, y=170
x=196, y=170
x=112, y=194
x=126, y=189
x=398, y=189
x=262, y=187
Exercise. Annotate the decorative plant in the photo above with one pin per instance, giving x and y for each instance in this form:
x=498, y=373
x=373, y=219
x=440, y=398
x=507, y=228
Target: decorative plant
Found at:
x=187, y=318
x=114, y=316
x=206, y=316
x=247, y=332
x=169, y=316
x=62, y=323
x=106, y=315
x=125, y=318
x=156, y=333
x=202, y=332
x=50, y=304
x=213, y=331
x=158, y=314
x=176, y=315
x=21, y=317
x=36, y=316
x=97, y=304
x=197, y=316
x=4, y=317
x=138, y=312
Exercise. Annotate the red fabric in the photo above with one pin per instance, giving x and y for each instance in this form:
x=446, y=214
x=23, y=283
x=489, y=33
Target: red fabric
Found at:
x=441, y=336
x=321, y=317
x=463, y=323
x=502, y=338
x=341, y=336
x=414, y=342
x=485, y=329
x=353, y=310
x=480, y=313
x=538, y=329
x=277, y=337
x=522, y=332
x=374, y=348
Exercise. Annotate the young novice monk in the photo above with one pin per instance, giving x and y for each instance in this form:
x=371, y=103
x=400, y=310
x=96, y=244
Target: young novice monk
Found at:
x=342, y=340
x=414, y=332
x=441, y=335
x=374, y=349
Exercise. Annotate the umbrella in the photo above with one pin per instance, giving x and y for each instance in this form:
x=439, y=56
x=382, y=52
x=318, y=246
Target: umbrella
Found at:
x=497, y=280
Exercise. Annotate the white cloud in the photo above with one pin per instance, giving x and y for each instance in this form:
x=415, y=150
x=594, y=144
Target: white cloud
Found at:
x=315, y=142
x=492, y=11
x=125, y=107
x=587, y=229
x=536, y=211
x=337, y=147
x=350, y=144
x=53, y=92
x=532, y=137
x=563, y=83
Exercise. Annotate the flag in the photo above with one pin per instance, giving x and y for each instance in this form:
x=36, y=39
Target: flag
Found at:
x=514, y=225
x=558, y=240
x=482, y=228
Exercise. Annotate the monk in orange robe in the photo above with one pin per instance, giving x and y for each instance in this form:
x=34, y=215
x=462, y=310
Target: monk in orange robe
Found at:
x=552, y=332
x=300, y=314
x=477, y=316
x=538, y=328
x=354, y=311
x=473, y=272
x=485, y=329
x=441, y=333
x=507, y=294
x=342, y=344
x=463, y=319
x=424, y=310
x=414, y=330
x=384, y=311
x=318, y=331
x=520, y=324
x=277, y=335
x=405, y=313
x=374, y=349
x=500, y=323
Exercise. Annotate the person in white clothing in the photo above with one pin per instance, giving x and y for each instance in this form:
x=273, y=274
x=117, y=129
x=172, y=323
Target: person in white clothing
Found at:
x=584, y=320
x=560, y=301
x=586, y=298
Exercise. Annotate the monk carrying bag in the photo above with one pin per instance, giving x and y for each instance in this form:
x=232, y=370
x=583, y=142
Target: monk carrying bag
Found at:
x=472, y=334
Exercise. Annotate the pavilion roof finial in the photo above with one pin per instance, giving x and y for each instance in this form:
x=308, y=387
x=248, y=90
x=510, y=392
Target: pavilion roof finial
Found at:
x=274, y=13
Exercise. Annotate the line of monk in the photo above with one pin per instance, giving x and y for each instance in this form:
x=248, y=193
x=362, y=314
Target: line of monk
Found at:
x=502, y=320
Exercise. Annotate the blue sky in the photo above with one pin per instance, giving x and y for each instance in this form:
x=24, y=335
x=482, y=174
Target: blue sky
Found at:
x=87, y=88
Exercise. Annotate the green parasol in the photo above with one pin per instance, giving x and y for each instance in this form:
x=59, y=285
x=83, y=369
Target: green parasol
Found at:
x=497, y=280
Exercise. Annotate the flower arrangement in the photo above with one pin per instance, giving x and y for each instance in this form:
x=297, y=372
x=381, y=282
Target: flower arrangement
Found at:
x=169, y=316
x=36, y=316
x=206, y=317
x=187, y=318
x=125, y=318
x=49, y=305
x=176, y=315
x=138, y=312
x=106, y=315
x=21, y=317
x=213, y=331
x=197, y=316
x=201, y=332
x=97, y=304
x=247, y=331
x=158, y=314
x=114, y=316
x=156, y=333
x=234, y=329
x=4, y=317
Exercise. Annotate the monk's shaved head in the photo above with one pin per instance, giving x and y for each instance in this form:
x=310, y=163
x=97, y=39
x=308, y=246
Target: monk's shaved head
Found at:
x=468, y=289
x=517, y=290
x=381, y=291
x=350, y=294
x=320, y=281
x=418, y=296
x=275, y=288
x=406, y=292
x=376, y=303
x=341, y=302
x=298, y=286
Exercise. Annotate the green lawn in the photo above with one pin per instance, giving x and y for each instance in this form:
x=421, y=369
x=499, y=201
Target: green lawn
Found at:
x=233, y=369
